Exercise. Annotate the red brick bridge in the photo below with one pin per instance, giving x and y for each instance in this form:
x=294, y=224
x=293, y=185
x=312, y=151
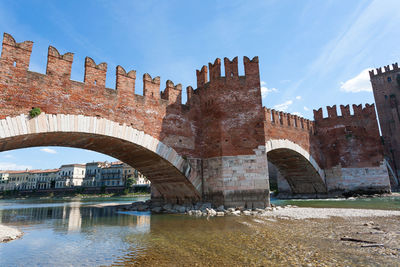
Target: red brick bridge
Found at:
x=216, y=147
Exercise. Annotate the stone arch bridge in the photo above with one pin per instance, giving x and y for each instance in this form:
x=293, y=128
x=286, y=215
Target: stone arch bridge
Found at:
x=215, y=147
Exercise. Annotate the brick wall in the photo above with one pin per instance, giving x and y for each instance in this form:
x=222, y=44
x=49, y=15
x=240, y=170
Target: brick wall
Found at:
x=386, y=88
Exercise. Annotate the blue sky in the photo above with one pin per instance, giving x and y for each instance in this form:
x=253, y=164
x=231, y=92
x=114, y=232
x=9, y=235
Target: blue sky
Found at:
x=312, y=53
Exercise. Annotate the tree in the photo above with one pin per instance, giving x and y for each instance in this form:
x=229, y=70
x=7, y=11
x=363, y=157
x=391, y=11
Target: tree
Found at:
x=130, y=181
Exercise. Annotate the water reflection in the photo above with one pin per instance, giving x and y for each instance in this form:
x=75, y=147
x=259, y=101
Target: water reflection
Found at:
x=72, y=233
x=75, y=217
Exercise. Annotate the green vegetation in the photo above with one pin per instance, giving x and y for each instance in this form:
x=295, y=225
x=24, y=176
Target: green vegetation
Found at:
x=130, y=182
x=273, y=186
x=34, y=112
x=103, y=189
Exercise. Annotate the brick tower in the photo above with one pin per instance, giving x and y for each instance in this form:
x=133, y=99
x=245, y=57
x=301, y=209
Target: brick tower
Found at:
x=386, y=87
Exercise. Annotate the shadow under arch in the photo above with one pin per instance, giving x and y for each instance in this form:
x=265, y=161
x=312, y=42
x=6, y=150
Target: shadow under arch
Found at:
x=297, y=166
x=167, y=171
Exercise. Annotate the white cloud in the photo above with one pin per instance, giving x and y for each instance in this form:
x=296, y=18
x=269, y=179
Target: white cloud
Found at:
x=284, y=106
x=357, y=84
x=306, y=108
x=265, y=90
x=8, y=156
x=298, y=97
x=48, y=150
x=13, y=166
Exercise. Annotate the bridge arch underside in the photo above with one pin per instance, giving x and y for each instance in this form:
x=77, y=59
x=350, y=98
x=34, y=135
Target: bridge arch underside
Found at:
x=298, y=171
x=169, y=181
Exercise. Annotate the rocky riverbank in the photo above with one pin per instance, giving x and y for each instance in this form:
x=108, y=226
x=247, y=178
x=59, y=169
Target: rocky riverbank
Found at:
x=8, y=233
x=285, y=212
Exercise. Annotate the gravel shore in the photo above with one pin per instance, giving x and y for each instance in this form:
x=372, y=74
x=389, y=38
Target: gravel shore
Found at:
x=324, y=213
x=8, y=233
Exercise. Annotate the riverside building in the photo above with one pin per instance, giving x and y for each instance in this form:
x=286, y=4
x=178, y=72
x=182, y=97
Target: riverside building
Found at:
x=92, y=174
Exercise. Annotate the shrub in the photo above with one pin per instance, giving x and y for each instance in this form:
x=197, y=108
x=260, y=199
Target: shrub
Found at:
x=34, y=112
x=103, y=189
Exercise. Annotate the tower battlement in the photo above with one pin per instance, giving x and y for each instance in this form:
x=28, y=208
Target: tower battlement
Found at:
x=367, y=111
x=251, y=69
x=385, y=70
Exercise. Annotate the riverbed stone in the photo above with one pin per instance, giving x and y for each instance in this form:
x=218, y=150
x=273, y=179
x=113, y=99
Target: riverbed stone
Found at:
x=206, y=206
x=221, y=208
x=143, y=207
x=236, y=212
x=167, y=207
x=156, y=209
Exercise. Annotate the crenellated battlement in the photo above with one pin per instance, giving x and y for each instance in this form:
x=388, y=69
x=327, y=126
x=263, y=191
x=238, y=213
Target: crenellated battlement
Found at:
x=231, y=67
x=16, y=56
x=368, y=111
x=215, y=70
x=151, y=86
x=251, y=69
x=95, y=74
x=277, y=118
x=59, y=65
x=385, y=70
x=172, y=93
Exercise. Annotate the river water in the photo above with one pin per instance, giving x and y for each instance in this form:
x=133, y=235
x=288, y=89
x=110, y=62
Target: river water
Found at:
x=78, y=232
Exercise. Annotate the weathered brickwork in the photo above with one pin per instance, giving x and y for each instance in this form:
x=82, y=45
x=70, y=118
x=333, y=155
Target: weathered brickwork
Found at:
x=348, y=140
x=215, y=147
x=386, y=88
x=374, y=179
x=351, y=150
x=237, y=180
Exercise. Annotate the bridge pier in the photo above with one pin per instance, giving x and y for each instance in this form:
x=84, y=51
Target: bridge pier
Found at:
x=237, y=181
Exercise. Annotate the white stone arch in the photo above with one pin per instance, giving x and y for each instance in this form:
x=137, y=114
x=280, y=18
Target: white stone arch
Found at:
x=23, y=125
x=287, y=144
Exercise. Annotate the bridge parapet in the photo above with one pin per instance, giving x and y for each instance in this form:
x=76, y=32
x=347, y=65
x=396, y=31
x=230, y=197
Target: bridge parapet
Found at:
x=54, y=92
x=275, y=118
x=16, y=56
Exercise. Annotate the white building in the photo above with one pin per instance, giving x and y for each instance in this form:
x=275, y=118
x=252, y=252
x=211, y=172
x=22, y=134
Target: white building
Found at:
x=17, y=180
x=70, y=175
x=112, y=175
x=93, y=174
x=46, y=179
x=3, y=180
